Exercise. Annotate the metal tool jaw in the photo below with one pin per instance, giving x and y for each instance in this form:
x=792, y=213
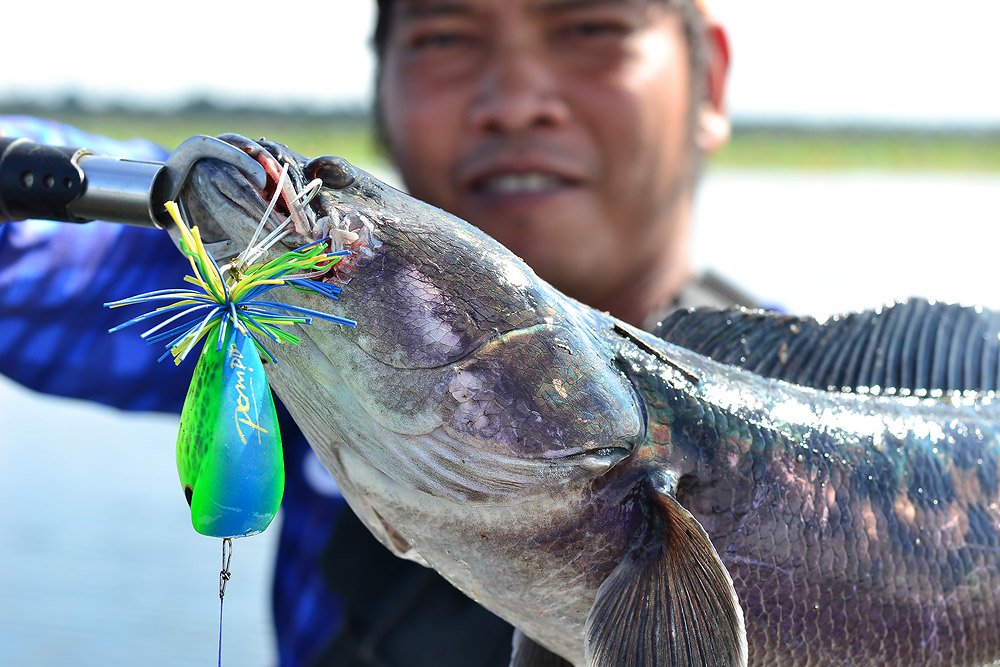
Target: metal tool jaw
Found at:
x=169, y=181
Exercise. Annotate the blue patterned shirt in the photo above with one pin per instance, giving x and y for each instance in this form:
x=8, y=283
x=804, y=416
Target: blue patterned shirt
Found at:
x=55, y=278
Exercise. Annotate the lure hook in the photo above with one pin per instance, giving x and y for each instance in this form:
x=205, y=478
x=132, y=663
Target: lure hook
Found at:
x=227, y=557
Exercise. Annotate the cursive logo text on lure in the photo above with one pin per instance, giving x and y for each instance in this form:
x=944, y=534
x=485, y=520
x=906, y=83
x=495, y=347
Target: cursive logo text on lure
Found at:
x=241, y=414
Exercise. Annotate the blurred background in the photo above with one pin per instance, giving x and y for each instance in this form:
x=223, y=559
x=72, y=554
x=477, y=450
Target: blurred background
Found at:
x=864, y=167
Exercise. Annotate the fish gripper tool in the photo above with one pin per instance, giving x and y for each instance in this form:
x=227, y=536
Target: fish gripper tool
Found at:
x=77, y=185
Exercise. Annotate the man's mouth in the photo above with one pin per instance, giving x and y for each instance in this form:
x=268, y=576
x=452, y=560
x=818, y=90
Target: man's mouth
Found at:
x=517, y=176
x=520, y=183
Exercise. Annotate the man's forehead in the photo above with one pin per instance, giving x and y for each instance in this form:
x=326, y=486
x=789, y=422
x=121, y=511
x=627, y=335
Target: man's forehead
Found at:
x=418, y=8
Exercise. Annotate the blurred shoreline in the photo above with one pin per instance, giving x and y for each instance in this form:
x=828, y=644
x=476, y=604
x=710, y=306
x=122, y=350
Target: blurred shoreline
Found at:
x=757, y=143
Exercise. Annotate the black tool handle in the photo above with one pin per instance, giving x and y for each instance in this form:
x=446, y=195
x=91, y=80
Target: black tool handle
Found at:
x=38, y=181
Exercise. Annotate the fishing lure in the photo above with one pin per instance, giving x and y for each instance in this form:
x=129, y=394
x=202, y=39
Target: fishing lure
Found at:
x=229, y=455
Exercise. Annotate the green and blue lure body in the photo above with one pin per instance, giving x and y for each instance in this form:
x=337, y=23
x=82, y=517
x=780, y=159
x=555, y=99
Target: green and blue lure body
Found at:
x=229, y=447
x=229, y=456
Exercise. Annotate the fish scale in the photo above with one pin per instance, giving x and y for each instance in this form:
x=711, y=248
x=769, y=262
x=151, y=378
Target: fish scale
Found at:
x=868, y=524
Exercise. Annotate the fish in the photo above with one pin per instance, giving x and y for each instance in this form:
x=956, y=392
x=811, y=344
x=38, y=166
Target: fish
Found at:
x=736, y=488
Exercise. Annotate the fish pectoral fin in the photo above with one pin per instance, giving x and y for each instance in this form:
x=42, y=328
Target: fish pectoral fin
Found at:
x=525, y=652
x=669, y=602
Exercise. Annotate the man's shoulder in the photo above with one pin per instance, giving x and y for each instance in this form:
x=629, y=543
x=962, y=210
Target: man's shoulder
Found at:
x=711, y=289
x=705, y=289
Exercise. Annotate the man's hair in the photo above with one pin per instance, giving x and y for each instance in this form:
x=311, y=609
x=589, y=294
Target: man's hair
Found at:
x=694, y=33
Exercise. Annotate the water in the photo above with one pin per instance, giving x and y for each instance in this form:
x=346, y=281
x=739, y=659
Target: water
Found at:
x=99, y=564
x=826, y=243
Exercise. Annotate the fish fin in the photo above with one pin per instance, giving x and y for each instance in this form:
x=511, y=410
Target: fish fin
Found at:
x=909, y=347
x=525, y=652
x=669, y=602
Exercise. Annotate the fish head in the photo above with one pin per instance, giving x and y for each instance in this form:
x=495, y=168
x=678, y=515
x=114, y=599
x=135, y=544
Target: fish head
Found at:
x=467, y=379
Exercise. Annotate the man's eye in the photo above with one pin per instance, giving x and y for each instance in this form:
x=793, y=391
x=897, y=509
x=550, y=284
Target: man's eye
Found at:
x=438, y=40
x=589, y=29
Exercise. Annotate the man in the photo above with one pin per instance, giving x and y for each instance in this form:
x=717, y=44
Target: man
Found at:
x=571, y=130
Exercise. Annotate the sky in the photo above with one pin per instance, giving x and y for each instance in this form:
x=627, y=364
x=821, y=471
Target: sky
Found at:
x=910, y=61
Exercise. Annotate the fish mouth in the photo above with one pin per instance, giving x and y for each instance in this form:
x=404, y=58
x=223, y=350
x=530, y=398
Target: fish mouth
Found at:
x=286, y=187
x=228, y=207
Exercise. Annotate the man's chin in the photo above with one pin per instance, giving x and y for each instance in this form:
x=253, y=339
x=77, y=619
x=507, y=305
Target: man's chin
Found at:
x=550, y=246
x=571, y=271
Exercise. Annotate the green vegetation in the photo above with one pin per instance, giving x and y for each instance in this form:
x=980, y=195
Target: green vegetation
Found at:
x=311, y=135
x=752, y=147
x=854, y=149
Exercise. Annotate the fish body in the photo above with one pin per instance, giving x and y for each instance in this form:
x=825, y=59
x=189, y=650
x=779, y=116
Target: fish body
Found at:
x=620, y=499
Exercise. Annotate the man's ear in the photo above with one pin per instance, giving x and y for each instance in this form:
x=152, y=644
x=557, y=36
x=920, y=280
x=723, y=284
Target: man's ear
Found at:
x=713, y=122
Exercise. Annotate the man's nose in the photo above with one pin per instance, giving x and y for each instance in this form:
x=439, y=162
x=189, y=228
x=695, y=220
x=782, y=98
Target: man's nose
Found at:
x=517, y=91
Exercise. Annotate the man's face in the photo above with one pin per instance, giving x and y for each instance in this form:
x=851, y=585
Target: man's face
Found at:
x=559, y=127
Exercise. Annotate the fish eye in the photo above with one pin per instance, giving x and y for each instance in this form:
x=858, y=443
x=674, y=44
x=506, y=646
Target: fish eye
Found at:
x=188, y=493
x=335, y=172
